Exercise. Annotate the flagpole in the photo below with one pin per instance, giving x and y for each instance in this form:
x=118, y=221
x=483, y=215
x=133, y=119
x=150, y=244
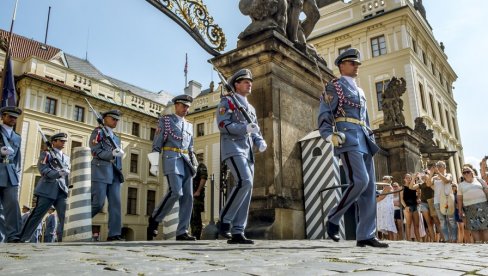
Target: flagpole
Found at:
x=7, y=53
x=186, y=70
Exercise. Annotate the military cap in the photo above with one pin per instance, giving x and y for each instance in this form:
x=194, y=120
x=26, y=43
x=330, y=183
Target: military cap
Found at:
x=11, y=110
x=26, y=207
x=184, y=99
x=350, y=54
x=243, y=74
x=112, y=113
x=60, y=136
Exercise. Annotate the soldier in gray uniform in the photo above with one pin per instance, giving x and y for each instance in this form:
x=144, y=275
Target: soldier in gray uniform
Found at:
x=343, y=121
x=237, y=139
x=9, y=174
x=50, y=231
x=52, y=188
x=106, y=173
x=175, y=141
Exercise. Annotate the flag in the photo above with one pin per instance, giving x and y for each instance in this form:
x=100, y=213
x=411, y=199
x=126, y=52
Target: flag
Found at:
x=9, y=95
x=186, y=65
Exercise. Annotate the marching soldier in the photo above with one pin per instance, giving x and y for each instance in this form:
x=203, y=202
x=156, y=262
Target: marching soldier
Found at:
x=9, y=174
x=52, y=188
x=343, y=121
x=237, y=139
x=106, y=173
x=51, y=225
x=198, y=200
x=175, y=140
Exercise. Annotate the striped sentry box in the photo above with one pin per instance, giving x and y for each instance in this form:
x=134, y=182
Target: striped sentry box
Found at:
x=320, y=169
x=78, y=225
x=170, y=223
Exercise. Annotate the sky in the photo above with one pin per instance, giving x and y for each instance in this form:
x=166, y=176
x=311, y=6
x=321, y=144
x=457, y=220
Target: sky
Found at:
x=132, y=41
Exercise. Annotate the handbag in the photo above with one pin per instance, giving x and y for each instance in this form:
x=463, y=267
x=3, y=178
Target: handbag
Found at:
x=447, y=201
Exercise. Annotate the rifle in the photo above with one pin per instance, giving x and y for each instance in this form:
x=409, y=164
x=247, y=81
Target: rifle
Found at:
x=56, y=162
x=102, y=126
x=232, y=95
x=108, y=137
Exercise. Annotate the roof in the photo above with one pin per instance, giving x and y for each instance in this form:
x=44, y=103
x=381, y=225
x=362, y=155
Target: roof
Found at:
x=161, y=97
x=311, y=135
x=22, y=47
x=84, y=67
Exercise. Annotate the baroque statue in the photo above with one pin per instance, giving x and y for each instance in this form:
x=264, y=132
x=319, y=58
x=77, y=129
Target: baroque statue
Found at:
x=392, y=103
x=284, y=17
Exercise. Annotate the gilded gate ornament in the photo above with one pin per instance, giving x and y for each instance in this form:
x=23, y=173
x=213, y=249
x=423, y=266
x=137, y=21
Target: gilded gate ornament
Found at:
x=193, y=17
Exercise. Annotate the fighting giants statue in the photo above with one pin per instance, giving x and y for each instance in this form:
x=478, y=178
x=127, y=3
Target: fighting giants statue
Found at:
x=283, y=16
x=392, y=103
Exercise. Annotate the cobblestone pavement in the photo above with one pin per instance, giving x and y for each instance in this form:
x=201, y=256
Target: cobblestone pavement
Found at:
x=294, y=257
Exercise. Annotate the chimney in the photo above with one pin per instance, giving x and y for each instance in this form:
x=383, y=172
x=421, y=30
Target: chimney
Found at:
x=193, y=89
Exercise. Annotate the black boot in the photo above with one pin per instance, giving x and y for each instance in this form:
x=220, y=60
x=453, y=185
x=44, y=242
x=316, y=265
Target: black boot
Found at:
x=224, y=230
x=152, y=229
x=239, y=239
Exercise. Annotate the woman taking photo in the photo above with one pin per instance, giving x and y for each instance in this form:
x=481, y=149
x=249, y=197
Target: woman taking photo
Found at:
x=472, y=203
x=409, y=201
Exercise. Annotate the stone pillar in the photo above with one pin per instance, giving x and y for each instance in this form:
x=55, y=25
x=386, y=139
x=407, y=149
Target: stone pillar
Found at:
x=402, y=145
x=286, y=91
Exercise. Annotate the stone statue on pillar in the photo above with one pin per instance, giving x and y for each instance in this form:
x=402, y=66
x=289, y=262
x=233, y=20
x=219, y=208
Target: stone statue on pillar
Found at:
x=284, y=17
x=392, y=103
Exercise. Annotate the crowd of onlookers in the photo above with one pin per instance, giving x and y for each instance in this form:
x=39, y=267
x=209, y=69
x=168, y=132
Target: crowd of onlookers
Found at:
x=432, y=206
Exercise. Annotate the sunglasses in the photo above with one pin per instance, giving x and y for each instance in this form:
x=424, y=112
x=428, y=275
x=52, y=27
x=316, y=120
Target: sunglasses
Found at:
x=466, y=172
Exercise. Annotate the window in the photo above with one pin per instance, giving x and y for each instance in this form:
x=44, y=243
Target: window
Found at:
x=378, y=46
x=422, y=96
x=432, y=106
x=440, y=113
x=151, y=202
x=441, y=79
x=432, y=65
x=135, y=129
x=132, y=201
x=414, y=45
x=343, y=49
x=424, y=57
x=200, y=129
x=50, y=106
x=449, y=127
x=79, y=114
x=74, y=144
x=133, y=162
x=380, y=89
x=152, y=133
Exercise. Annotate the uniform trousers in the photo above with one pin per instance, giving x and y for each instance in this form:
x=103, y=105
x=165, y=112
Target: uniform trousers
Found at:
x=43, y=205
x=359, y=170
x=100, y=191
x=236, y=208
x=11, y=213
x=181, y=190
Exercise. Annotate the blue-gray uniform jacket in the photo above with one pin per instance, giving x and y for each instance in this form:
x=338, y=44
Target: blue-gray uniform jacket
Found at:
x=232, y=125
x=105, y=167
x=50, y=227
x=51, y=182
x=346, y=101
x=175, y=140
x=10, y=165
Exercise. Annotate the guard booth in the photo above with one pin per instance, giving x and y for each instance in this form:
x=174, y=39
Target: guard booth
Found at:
x=322, y=170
